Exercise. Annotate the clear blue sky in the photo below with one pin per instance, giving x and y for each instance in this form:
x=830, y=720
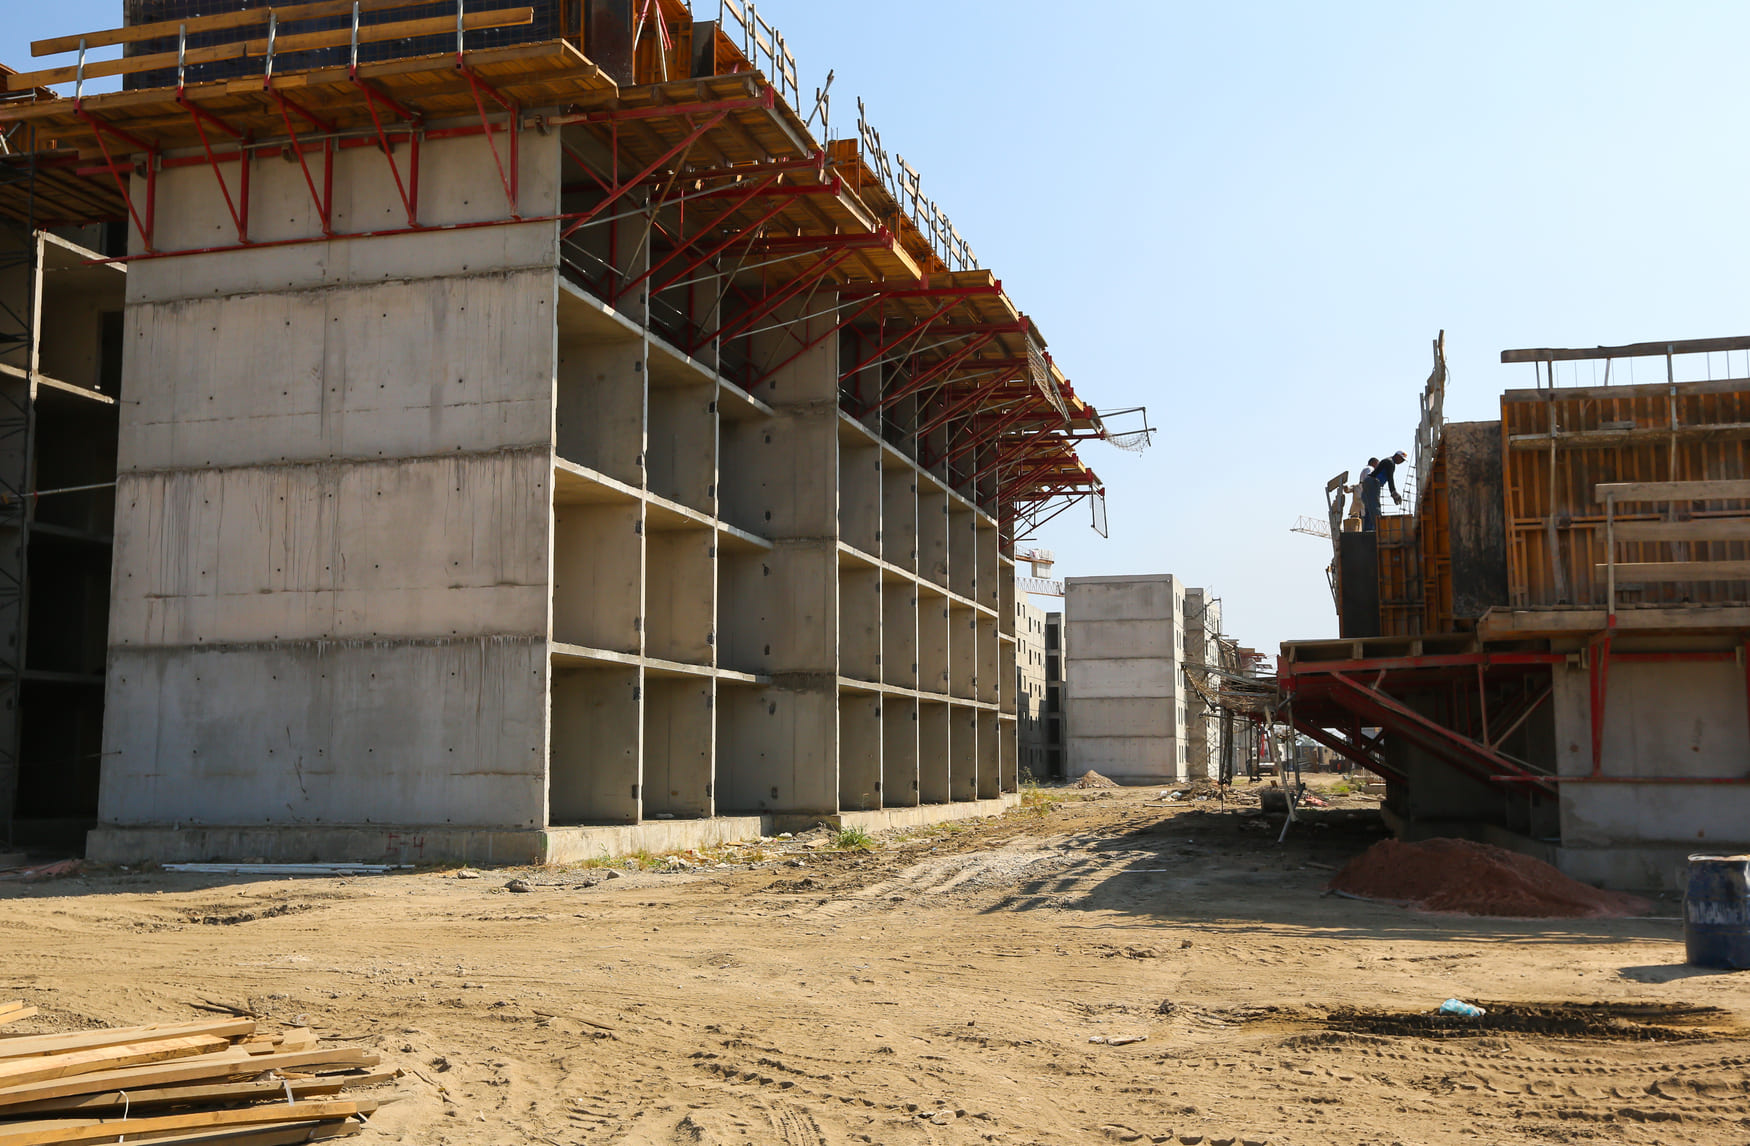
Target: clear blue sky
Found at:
x=1254, y=218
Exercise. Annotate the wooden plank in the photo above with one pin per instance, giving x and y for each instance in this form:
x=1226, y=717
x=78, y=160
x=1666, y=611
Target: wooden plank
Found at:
x=214, y=1094
x=1513, y=624
x=1605, y=439
x=1673, y=490
x=283, y=45
x=1632, y=350
x=42, y=1068
x=70, y=1131
x=163, y=29
x=1699, y=529
x=18, y=1046
x=1633, y=571
x=15, y=1015
x=286, y=1134
x=204, y=1068
x=1627, y=390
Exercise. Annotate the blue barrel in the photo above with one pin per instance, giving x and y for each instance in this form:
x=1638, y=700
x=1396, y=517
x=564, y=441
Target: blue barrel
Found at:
x=1716, y=912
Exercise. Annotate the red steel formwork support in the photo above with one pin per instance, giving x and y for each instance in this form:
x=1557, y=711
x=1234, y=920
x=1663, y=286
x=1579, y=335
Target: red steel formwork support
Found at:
x=101, y=129
x=477, y=86
x=946, y=366
x=1389, y=713
x=748, y=231
x=682, y=244
x=238, y=208
x=323, y=200
x=1352, y=750
x=408, y=190
x=715, y=112
x=915, y=331
x=851, y=316
x=978, y=393
x=810, y=275
x=993, y=431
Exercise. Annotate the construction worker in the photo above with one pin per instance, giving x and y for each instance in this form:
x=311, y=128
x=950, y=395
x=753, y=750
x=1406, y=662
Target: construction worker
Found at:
x=1384, y=474
x=1367, y=496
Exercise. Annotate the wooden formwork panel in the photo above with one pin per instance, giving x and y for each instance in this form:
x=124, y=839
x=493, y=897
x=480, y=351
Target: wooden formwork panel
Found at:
x=1434, y=542
x=1559, y=445
x=1400, y=578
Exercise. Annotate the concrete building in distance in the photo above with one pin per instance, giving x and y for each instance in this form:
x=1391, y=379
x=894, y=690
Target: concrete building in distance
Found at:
x=1127, y=704
x=515, y=449
x=1056, y=766
x=1030, y=687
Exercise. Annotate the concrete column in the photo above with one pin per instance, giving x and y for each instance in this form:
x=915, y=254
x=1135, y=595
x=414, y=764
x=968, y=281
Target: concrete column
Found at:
x=787, y=759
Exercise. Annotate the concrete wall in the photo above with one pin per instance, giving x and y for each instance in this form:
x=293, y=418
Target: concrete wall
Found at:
x=1663, y=721
x=332, y=523
x=1125, y=713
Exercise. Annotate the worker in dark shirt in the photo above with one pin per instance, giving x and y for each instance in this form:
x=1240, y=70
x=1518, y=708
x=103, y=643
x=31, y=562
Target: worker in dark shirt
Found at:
x=1385, y=474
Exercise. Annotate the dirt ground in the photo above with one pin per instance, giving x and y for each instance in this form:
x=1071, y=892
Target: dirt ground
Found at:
x=941, y=989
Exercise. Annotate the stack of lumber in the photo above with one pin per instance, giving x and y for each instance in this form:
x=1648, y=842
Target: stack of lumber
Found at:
x=207, y=1082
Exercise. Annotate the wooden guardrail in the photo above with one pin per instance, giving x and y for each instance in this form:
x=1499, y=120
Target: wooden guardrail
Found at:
x=264, y=47
x=1698, y=530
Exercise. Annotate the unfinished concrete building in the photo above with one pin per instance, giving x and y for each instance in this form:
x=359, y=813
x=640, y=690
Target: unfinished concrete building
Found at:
x=1550, y=652
x=1030, y=687
x=525, y=433
x=1055, y=749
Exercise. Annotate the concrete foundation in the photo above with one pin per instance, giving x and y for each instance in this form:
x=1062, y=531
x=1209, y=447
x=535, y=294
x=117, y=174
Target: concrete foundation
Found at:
x=487, y=848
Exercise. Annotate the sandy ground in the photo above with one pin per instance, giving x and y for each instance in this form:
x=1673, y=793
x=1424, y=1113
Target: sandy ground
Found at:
x=942, y=989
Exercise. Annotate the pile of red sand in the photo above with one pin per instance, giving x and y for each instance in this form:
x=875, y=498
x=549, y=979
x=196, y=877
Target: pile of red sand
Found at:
x=1459, y=877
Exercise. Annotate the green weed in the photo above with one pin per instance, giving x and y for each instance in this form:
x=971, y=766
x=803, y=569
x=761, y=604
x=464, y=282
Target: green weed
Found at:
x=853, y=840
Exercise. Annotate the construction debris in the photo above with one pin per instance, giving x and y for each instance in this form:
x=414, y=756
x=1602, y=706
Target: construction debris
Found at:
x=1092, y=779
x=180, y=1083
x=1459, y=877
x=45, y=871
